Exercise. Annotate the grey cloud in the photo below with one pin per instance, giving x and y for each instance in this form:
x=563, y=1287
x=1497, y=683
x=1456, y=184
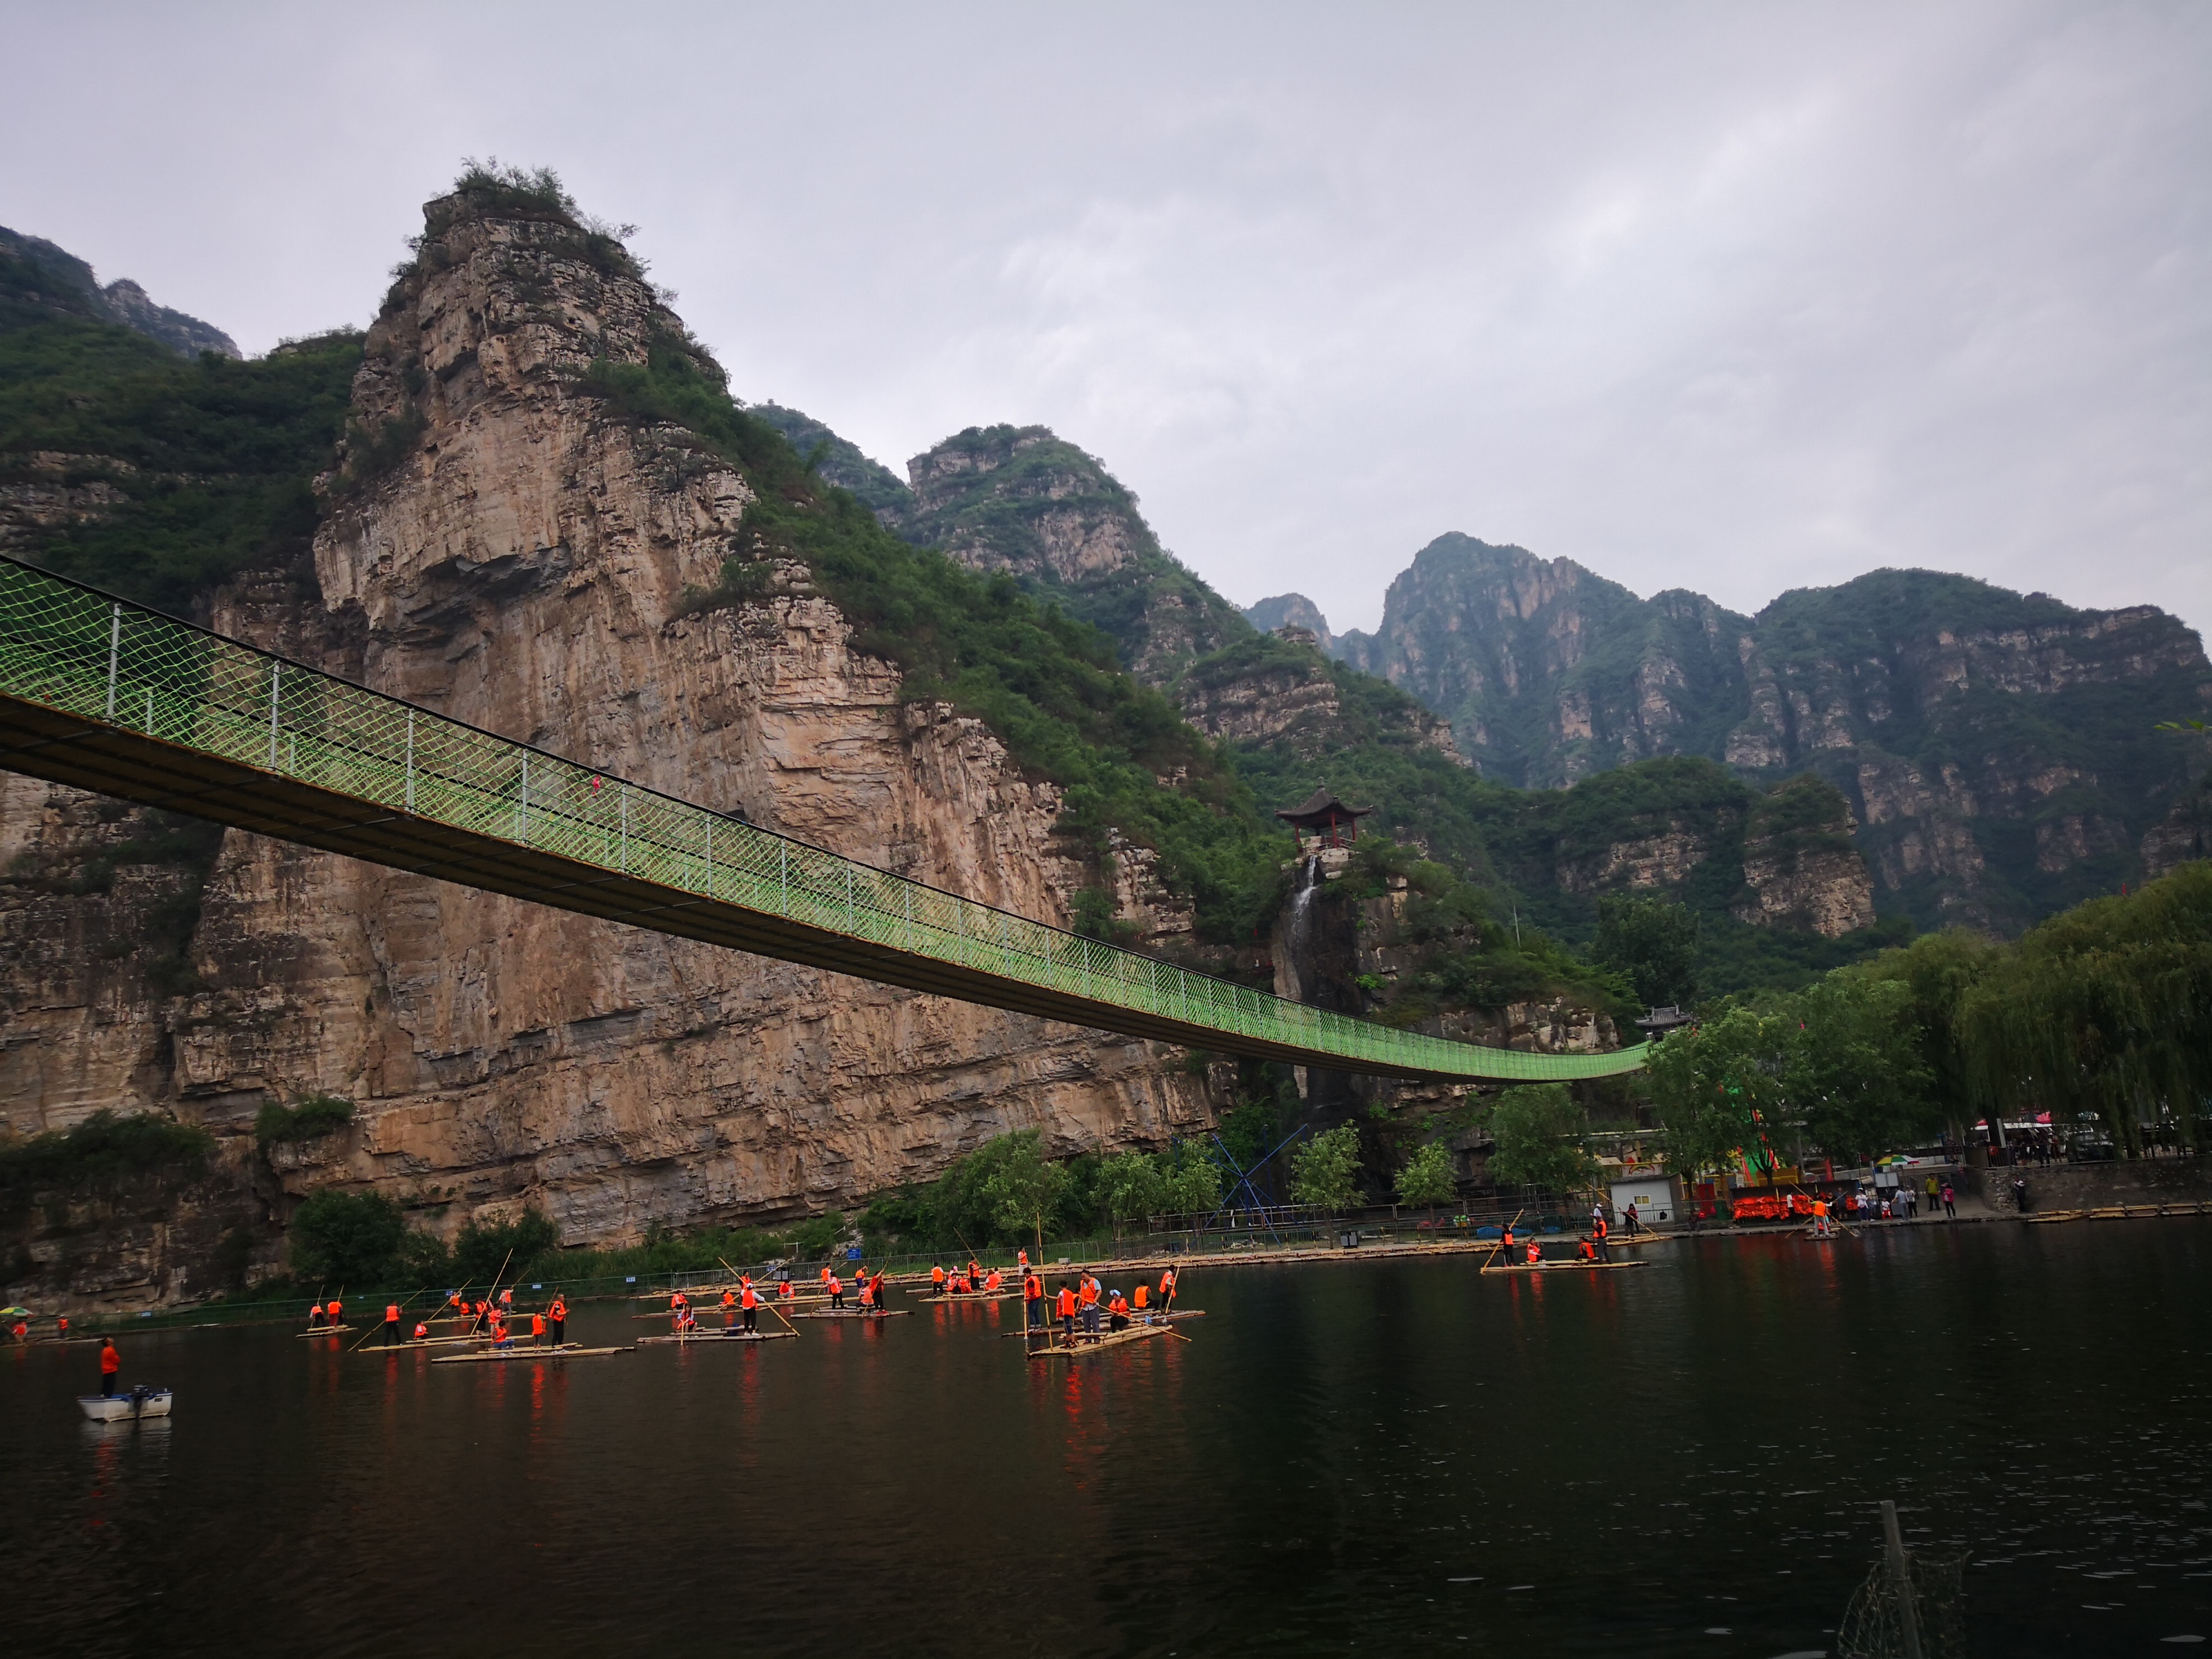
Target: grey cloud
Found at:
x=1734, y=297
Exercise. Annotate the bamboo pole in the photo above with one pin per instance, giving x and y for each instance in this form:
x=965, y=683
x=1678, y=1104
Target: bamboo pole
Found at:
x=771, y=1300
x=372, y=1329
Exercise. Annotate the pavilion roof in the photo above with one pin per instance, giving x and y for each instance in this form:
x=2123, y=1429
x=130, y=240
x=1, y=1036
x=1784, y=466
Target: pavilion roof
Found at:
x=1320, y=807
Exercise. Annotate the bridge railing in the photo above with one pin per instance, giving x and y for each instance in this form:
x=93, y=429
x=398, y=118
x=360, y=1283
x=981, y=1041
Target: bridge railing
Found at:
x=72, y=649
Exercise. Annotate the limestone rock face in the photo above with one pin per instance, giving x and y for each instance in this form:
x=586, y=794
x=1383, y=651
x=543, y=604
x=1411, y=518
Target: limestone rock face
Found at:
x=524, y=565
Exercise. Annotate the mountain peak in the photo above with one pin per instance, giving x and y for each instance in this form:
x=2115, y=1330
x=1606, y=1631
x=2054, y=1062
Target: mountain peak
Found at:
x=36, y=271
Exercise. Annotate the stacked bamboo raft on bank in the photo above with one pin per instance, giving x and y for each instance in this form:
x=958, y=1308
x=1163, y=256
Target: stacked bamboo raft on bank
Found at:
x=2120, y=1213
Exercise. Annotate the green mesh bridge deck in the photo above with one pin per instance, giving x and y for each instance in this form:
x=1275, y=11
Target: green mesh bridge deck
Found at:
x=109, y=697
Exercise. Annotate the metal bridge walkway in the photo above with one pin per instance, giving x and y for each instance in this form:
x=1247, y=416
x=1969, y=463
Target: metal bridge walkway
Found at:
x=110, y=697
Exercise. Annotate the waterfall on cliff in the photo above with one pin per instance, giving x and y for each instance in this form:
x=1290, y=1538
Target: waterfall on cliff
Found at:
x=1298, y=931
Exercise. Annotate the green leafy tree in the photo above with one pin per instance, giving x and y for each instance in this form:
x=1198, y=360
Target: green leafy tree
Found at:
x=484, y=1248
x=1426, y=1177
x=1539, y=1138
x=1653, y=943
x=1190, y=1185
x=1019, y=1187
x=1855, y=1074
x=1325, y=1171
x=1130, y=1188
x=1718, y=1086
x=347, y=1238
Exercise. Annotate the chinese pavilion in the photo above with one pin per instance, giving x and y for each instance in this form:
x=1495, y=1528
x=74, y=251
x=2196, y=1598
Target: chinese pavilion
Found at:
x=1324, y=820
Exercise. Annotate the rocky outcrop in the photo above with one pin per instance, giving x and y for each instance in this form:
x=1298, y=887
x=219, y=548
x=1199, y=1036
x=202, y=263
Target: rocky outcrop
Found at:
x=2184, y=834
x=1997, y=750
x=1021, y=500
x=1800, y=865
x=1291, y=611
x=1282, y=691
x=524, y=563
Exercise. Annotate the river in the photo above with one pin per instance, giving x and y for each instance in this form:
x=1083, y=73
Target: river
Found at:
x=1394, y=1457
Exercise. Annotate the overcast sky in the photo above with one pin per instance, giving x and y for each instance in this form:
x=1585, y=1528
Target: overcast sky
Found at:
x=1732, y=297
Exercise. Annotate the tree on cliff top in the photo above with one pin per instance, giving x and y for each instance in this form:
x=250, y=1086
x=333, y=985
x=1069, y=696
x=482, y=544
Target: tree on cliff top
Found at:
x=1652, y=941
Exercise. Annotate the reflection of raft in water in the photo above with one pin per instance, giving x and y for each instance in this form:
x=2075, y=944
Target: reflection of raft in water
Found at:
x=854, y=1313
x=566, y=1351
x=721, y=1336
x=1567, y=1267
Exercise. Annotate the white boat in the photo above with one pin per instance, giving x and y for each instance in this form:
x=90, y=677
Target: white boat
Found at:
x=141, y=1402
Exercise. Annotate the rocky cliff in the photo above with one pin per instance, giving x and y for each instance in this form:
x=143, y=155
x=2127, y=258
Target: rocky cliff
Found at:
x=1997, y=750
x=499, y=544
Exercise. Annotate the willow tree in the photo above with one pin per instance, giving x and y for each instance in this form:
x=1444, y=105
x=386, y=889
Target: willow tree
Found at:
x=2103, y=1011
x=1940, y=970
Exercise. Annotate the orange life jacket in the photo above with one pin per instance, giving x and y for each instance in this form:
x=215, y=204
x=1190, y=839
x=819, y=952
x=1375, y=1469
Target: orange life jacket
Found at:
x=538, y=1324
x=1140, y=1294
x=110, y=1361
x=560, y=1308
x=937, y=1276
x=1533, y=1254
x=1032, y=1288
x=1117, y=1305
x=1066, y=1302
x=391, y=1313
x=750, y=1301
x=1167, y=1281
x=421, y=1331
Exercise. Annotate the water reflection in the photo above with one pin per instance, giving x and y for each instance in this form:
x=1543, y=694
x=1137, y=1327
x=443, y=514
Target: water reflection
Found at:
x=1367, y=1454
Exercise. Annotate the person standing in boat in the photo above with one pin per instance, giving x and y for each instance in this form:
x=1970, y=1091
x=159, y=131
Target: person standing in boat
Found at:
x=1067, y=1301
x=538, y=1330
x=1032, y=1300
x=1089, y=1296
x=751, y=1304
x=334, y=1314
x=559, y=1312
x=937, y=1280
x=836, y=1289
x=391, y=1324
x=111, y=1367
x=1167, y=1290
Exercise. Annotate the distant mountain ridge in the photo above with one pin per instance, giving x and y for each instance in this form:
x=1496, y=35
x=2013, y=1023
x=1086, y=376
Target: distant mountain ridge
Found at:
x=34, y=271
x=1997, y=749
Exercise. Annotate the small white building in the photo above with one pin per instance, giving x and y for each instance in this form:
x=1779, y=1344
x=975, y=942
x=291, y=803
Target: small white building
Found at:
x=1657, y=1197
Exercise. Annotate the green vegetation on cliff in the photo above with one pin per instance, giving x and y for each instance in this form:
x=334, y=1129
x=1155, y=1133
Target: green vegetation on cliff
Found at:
x=174, y=474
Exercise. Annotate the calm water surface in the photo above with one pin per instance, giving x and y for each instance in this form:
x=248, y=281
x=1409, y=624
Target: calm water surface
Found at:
x=1389, y=1457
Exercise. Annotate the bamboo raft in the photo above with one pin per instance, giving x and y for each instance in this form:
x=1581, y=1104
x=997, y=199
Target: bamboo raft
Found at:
x=854, y=1313
x=1085, y=1345
x=1156, y=1319
x=427, y=1342
x=1562, y=1267
x=566, y=1351
x=977, y=1296
x=326, y=1330
x=721, y=1336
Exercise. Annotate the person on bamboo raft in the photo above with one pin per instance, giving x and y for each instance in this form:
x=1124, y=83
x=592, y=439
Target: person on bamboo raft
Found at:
x=390, y=1324
x=315, y=1316
x=993, y=1281
x=558, y=1313
x=1089, y=1297
x=422, y=1330
x=729, y=1306
x=1536, y=1252
x=1067, y=1303
x=538, y=1330
x=334, y=1313
x=836, y=1289
x=937, y=1279
x=1117, y=1312
x=751, y=1302
x=1032, y=1300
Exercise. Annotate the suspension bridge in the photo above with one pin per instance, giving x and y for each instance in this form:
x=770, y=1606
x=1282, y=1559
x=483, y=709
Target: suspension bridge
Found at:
x=108, y=696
